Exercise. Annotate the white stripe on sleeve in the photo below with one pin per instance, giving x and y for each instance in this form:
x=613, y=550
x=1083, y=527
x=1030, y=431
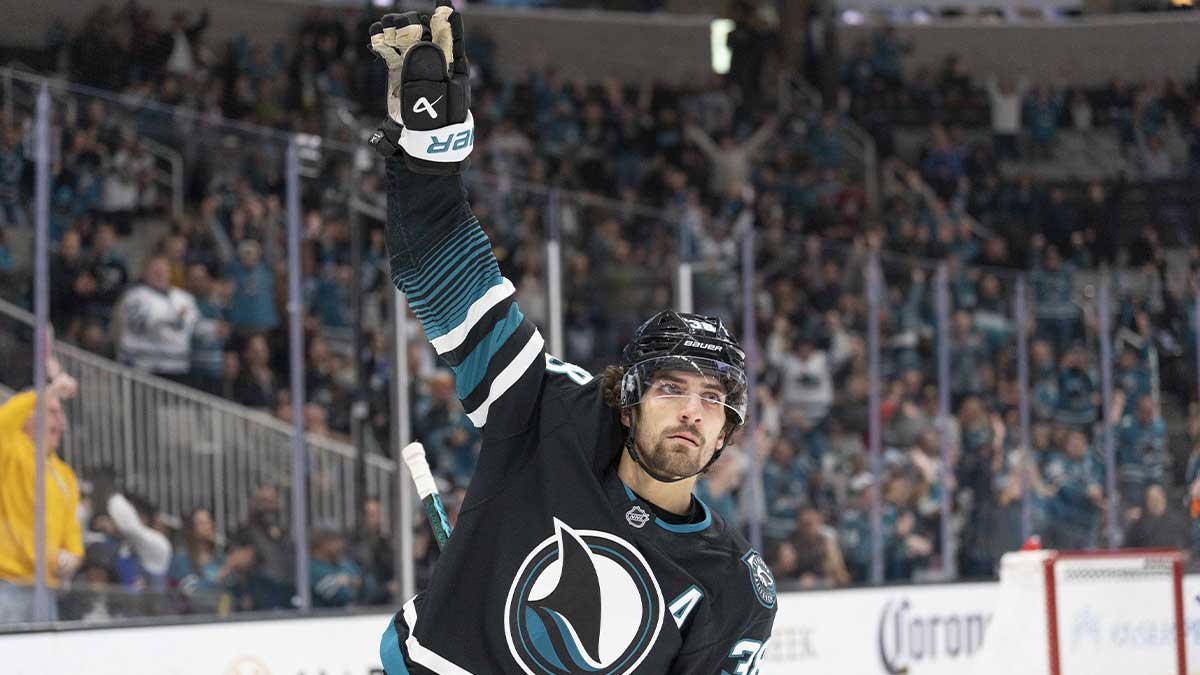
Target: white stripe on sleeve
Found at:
x=420, y=654
x=509, y=376
x=452, y=340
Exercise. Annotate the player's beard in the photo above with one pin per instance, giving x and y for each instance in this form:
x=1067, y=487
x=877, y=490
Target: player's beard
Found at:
x=674, y=457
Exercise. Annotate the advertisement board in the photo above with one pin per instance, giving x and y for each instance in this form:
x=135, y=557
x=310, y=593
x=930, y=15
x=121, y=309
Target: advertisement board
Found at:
x=347, y=645
x=926, y=630
x=918, y=630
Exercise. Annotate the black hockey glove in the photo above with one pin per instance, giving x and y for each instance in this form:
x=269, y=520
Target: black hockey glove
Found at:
x=429, y=90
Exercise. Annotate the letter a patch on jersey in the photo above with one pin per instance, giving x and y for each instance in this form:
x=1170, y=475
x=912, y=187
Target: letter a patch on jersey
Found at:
x=682, y=606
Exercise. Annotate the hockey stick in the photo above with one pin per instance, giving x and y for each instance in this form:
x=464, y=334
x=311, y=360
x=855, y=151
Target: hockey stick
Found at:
x=418, y=467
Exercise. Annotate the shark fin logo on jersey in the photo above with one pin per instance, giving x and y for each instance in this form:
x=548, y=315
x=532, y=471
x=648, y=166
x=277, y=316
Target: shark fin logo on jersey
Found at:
x=557, y=620
x=760, y=578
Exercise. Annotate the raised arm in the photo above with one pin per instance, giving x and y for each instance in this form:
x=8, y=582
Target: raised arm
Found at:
x=440, y=256
x=760, y=137
x=702, y=140
x=151, y=546
x=992, y=86
x=442, y=260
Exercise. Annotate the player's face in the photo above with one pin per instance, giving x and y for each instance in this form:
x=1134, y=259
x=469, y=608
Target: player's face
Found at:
x=679, y=425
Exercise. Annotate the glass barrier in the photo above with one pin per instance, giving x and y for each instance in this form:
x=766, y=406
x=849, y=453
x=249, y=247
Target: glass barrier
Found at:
x=184, y=462
x=95, y=597
x=813, y=411
x=901, y=433
x=930, y=365
x=616, y=260
x=979, y=412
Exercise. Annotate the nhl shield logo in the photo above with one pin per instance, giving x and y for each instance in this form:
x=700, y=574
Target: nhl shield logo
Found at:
x=637, y=517
x=760, y=578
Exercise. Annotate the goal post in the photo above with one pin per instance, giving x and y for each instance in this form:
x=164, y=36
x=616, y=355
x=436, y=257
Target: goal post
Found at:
x=1087, y=613
x=1138, y=627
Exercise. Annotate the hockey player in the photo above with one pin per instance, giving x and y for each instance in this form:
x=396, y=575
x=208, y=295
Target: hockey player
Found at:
x=579, y=547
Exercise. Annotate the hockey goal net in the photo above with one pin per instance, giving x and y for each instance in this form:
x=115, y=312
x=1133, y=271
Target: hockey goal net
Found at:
x=1096, y=613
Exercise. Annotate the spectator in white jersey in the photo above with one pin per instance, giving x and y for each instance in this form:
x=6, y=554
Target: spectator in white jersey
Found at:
x=156, y=322
x=807, y=383
x=1005, y=99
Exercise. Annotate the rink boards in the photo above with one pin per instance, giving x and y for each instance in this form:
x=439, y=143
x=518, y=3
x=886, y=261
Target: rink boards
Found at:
x=930, y=630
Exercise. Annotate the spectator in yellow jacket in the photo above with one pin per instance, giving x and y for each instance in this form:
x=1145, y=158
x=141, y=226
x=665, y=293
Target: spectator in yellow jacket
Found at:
x=64, y=540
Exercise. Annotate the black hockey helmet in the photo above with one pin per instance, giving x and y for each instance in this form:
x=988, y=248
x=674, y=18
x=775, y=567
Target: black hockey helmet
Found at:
x=682, y=341
x=671, y=333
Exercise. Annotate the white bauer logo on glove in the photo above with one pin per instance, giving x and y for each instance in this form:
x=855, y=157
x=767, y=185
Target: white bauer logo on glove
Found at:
x=424, y=106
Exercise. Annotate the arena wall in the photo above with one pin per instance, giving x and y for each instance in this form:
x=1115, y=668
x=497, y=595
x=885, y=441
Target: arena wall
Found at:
x=919, y=630
x=1083, y=52
x=637, y=47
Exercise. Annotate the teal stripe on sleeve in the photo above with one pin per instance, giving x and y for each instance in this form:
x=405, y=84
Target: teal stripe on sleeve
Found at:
x=389, y=651
x=471, y=371
x=444, y=314
x=436, y=271
x=445, y=279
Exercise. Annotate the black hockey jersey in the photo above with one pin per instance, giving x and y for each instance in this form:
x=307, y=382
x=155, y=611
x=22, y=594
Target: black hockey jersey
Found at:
x=555, y=567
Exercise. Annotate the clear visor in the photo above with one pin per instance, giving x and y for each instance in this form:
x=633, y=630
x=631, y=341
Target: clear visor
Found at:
x=715, y=384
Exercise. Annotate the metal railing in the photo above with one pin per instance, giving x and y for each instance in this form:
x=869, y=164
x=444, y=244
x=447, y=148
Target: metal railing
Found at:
x=900, y=177
x=170, y=179
x=8, y=90
x=182, y=449
x=168, y=162
x=15, y=99
x=859, y=145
